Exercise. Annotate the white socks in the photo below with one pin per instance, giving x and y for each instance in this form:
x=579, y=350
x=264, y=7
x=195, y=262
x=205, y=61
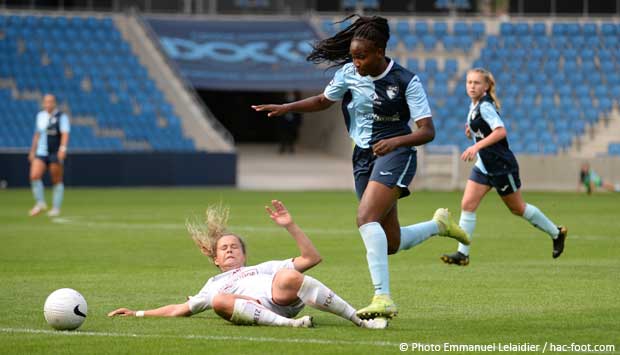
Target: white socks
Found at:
x=247, y=312
x=540, y=221
x=468, y=223
x=312, y=292
x=375, y=241
x=315, y=294
x=415, y=234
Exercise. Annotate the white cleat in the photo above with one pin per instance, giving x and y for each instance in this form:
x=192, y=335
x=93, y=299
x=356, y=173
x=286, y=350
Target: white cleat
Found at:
x=375, y=323
x=38, y=208
x=303, y=322
x=54, y=212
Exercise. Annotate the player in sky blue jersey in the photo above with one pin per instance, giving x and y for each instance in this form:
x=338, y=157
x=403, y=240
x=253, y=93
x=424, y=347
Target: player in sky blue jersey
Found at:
x=49, y=149
x=496, y=167
x=380, y=99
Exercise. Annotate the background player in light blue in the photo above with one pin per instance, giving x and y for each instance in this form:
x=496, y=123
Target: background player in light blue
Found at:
x=380, y=99
x=49, y=149
x=496, y=167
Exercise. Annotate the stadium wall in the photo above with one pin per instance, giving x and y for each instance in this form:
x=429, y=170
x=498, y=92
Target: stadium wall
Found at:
x=537, y=173
x=131, y=169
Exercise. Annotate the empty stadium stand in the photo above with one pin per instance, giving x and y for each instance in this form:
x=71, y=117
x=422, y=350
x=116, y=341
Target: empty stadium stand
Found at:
x=556, y=80
x=85, y=62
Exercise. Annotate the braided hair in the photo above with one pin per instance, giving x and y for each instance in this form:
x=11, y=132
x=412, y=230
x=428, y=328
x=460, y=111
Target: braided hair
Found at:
x=335, y=49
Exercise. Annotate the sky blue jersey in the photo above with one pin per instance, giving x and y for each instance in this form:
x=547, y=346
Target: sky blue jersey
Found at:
x=378, y=107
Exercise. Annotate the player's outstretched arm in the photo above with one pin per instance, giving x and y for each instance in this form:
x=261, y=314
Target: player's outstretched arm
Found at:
x=171, y=310
x=309, y=255
x=311, y=104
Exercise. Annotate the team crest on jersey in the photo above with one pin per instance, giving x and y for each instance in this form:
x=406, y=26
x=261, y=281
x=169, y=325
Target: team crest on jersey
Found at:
x=53, y=120
x=392, y=91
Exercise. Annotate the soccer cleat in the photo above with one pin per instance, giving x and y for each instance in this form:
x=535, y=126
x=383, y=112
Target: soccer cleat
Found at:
x=381, y=306
x=457, y=258
x=449, y=228
x=376, y=323
x=558, y=243
x=38, y=208
x=303, y=322
x=54, y=212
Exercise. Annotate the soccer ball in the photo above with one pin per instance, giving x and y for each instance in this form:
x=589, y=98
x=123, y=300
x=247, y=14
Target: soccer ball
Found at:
x=65, y=309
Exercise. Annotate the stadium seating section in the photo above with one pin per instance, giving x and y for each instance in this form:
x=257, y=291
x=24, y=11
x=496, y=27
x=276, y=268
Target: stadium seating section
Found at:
x=86, y=63
x=554, y=79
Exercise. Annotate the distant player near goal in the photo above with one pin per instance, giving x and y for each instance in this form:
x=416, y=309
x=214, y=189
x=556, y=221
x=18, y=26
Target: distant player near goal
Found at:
x=496, y=167
x=591, y=180
x=270, y=293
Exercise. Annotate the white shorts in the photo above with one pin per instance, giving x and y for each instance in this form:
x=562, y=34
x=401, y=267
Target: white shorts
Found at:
x=259, y=287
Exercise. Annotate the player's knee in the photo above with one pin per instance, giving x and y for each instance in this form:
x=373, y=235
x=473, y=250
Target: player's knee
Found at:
x=517, y=210
x=365, y=216
x=467, y=205
x=289, y=278
x=223, y=305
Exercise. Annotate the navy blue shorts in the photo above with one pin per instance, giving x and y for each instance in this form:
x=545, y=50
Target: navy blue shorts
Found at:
x=396, y=168
x=504, y=184
x=49, y=159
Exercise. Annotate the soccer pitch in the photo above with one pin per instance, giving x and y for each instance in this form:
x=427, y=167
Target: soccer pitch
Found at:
x=129, y=248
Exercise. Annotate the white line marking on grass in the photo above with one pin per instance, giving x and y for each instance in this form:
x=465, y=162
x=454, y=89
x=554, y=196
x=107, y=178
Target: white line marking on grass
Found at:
x=179, y=226
x=198, y=337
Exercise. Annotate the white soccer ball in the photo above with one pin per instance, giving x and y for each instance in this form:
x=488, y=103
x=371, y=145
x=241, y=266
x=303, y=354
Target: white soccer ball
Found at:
x=65, y=309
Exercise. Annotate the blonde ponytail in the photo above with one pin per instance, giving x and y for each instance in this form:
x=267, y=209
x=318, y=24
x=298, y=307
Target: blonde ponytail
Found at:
x=488, y=76
x=206, y=234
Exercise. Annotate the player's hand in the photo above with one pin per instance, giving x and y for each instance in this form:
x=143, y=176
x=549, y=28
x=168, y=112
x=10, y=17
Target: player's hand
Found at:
x=31, y=156
x=467, y=131
x=62, y=155
x=384, y=146
x=279, y=214
x=272, y=110
x=470, y=153
x=123, y=312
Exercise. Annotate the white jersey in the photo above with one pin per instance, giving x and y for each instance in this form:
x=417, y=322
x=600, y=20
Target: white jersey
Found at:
x=251, y=281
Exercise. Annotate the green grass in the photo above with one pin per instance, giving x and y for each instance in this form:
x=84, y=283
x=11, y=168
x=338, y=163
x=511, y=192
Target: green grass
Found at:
x=128, y=247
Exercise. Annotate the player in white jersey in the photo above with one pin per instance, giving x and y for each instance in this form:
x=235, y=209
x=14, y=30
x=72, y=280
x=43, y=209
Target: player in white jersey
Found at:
x=270, y=293
x=380, y=100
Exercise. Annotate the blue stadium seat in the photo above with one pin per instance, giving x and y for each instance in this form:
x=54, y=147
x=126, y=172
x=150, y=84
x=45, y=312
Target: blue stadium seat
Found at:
x=440, y=29
x=421, y=28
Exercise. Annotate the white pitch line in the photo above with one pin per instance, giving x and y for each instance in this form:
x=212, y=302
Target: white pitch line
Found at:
x=199, y=337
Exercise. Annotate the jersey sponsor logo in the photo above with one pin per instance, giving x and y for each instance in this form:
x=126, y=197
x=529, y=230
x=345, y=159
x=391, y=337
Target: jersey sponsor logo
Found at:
x=378, y=118
x=77, y=311
x=392, y=91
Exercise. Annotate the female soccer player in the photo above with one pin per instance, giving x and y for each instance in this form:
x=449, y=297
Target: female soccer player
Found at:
x=379, y=101
x=496, y=167
x=591, y=180
x=270, y=293
x=49, y=148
